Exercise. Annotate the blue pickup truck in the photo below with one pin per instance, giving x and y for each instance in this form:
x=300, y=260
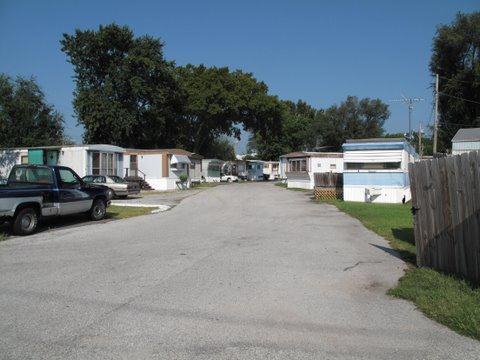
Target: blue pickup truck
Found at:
x=36, y=191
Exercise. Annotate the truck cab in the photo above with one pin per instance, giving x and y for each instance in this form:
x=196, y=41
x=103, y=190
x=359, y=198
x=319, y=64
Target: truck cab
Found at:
x=36, y=191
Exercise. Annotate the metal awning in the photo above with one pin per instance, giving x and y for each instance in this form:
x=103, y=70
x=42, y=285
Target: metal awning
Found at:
x=180, y=159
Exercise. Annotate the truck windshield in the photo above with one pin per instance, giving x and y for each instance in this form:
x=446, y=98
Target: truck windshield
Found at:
x=31, y=175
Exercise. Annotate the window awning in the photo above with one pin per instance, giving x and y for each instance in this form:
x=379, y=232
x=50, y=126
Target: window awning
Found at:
x=180, y=159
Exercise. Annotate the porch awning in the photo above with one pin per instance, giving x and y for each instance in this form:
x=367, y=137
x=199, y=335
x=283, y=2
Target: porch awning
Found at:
x=180, y=159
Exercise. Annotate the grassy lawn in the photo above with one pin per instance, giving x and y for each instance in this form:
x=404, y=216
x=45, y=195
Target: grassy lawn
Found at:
x=123, y=212
x=203, y=185
x=3, y=236
x=446, y=299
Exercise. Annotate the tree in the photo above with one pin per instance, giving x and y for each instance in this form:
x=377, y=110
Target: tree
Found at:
x=220, y=148
x=295, y=132
x=26, y=119
x=352, y=119
x=456, y=59
x=219, y=102
x=126, y=92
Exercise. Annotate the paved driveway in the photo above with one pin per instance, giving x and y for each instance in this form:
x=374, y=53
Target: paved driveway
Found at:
x=247, y=271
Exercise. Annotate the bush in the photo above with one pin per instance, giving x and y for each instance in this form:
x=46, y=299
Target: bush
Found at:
x=183, y=178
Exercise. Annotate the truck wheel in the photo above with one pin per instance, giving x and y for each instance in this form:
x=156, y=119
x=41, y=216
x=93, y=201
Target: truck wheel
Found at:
x=25, y=222
x=98, y=210
x=229, y=180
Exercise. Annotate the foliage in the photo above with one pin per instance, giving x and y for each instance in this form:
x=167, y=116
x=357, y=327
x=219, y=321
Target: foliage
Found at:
x=25, y=117
x=126, y=92
x=352, y=119
x=183, y=177
x=456, y=58
x=392, y=221
x=446, y=299
x=427, y=142
x=220, y=148
x=305, y=128
x=124, y=212
x=218, y=101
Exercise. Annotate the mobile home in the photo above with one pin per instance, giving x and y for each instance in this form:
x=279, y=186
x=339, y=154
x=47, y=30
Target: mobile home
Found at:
x=96, y=159
x=255, y=170
x=466, y=140
x=161, y=169
x=376, y=170
x=212, y=170
x=302, y=165
x=271, y=170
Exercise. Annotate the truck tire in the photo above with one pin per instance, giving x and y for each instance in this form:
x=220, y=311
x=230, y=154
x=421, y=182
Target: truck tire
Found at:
x=25, y=222
x=98, y=210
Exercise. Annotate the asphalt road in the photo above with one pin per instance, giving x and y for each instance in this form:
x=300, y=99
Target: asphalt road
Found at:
x=245, y=271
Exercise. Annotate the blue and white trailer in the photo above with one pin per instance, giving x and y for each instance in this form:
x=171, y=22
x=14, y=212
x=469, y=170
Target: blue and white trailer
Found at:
x=376, y=170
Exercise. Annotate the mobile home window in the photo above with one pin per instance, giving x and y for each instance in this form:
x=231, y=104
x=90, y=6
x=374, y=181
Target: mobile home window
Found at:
x=24, y=159
x=298, y=165
x=95, y=163
x=373, y=166
x=104, y=163
x=333, y=166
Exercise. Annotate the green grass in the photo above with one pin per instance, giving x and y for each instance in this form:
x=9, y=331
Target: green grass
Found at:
x=3, y=236
x=124, y=212
x=445, y=299
x=392, y=221
x=448, y=300
x=203, y=185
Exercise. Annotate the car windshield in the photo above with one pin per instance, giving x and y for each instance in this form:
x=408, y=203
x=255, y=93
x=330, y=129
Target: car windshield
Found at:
x=117, y=179
x=31, y=175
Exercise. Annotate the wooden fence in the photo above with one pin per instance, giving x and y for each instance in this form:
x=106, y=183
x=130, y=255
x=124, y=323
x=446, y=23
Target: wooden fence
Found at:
x=446, y=206
x=328, y=179
x=328, y=186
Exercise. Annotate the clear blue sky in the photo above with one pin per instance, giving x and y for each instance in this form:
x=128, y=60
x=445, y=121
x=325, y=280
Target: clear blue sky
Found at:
x=318, y=51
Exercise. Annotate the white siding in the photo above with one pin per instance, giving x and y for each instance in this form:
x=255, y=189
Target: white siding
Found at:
x=323, y=164
x=150, y=164
x=373, y=156
x=75, y=158
x=392, y=195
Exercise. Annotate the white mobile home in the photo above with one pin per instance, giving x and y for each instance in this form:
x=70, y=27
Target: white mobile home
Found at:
x=271, y=170
x=466, y=140
x=96, y=159
x=161, y=168
x=302, y=165
x=376, y=170
x=212, y=170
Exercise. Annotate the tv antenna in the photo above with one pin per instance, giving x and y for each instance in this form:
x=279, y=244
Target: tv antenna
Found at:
x=409, y=102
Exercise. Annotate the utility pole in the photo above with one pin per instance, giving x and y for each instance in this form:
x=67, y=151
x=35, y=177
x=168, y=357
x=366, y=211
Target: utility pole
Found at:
x=420, y=148
x=435, y=128
x=409, y=102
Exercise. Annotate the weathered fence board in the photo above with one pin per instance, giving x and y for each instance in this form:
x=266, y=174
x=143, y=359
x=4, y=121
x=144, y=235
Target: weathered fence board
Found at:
x=328, y=179
x=446, y=199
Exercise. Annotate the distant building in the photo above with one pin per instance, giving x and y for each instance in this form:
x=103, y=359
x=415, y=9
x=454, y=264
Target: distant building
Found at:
x=299, y=167
x=376, y=170
x=88, y=159
x=466, y=140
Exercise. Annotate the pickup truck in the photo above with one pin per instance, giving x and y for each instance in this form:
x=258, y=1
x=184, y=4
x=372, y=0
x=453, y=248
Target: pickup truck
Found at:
x=36, y=191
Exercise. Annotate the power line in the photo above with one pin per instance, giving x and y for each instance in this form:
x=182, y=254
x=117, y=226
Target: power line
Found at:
x=459, y=98
x=453, y=79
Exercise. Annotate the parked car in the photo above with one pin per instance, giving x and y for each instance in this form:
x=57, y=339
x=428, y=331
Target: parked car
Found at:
x=116, y=185
x=228, y=178
x=36, y=191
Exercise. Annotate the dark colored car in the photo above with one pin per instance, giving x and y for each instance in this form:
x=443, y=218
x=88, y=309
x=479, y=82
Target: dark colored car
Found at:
x=36, y=191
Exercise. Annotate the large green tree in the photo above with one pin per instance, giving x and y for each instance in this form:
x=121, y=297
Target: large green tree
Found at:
x=126, y=92
x=26, y=119
x=352, y=119
x=219, y=102
x=456, y=59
